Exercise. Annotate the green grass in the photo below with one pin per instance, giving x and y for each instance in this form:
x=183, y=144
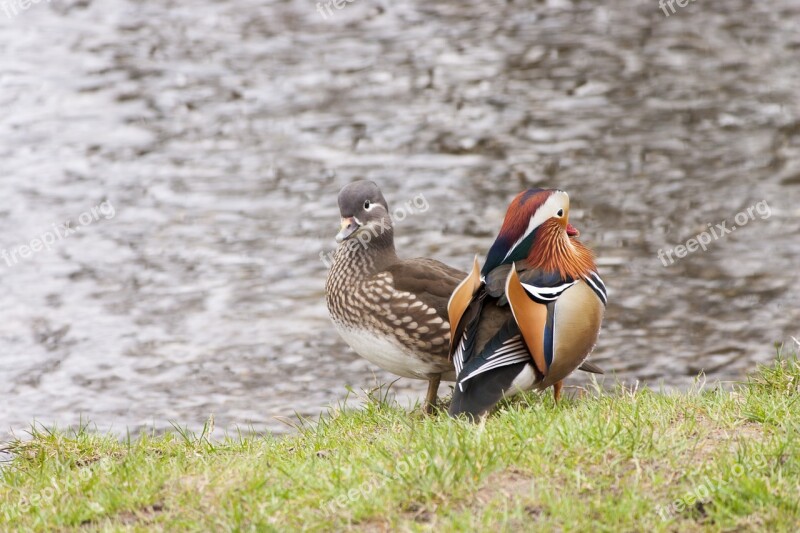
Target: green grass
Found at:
x=710, y=459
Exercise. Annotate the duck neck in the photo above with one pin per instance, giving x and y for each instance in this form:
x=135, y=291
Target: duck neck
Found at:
x=365, y=253
x=555, y=251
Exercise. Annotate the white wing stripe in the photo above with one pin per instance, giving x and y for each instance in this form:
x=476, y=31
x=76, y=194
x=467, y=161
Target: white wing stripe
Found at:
x=510, y=359
x=502, y=351
x=458, y=356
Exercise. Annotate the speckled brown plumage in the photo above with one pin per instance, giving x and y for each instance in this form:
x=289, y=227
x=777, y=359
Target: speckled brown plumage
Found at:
x=404, y=300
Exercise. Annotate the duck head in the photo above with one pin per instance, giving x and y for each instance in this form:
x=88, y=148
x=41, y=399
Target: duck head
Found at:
x=364, y=211
x=533, y=216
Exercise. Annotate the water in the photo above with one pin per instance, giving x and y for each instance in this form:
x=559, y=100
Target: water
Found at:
x=221, y=132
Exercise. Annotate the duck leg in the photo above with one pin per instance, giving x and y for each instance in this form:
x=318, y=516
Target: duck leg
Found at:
x=430, y=398
x=557, y=390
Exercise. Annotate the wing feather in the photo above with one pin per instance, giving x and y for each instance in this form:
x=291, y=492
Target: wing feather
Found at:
x=505, y=348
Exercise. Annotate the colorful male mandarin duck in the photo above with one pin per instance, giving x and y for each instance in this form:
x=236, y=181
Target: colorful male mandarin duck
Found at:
x=532, y=315
x=392, y=312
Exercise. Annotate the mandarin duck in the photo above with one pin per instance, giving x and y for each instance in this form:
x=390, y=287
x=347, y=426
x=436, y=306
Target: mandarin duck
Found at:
x=532, y=314
x=391, y=311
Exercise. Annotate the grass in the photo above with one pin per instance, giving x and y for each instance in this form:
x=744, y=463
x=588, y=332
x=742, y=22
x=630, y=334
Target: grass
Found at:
x=703, y=460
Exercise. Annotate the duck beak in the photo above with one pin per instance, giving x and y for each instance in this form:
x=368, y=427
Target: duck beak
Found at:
x=572, y=231
x=349, y=226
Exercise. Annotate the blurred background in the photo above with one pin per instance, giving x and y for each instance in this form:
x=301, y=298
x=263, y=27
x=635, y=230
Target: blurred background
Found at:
x=221, y=131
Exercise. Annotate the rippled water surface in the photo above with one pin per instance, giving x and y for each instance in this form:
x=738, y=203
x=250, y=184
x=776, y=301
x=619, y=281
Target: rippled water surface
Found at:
x=218, y=134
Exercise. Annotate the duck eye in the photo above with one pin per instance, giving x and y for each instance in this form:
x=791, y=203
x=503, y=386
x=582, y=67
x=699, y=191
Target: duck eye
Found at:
x=560, y=213
x=366, y=204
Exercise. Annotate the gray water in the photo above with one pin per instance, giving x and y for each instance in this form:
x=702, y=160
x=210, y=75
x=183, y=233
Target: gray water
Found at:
x=218, y=133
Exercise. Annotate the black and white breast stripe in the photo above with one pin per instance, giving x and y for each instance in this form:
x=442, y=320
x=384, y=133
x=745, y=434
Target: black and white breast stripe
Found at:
x=597, y=285
x=545, y=295
x=512, y=351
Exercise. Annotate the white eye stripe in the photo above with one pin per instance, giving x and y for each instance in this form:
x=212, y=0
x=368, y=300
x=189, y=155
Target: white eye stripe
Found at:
x=543, y=213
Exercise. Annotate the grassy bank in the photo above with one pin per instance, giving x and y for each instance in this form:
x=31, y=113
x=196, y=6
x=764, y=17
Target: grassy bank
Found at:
x=621, y=461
